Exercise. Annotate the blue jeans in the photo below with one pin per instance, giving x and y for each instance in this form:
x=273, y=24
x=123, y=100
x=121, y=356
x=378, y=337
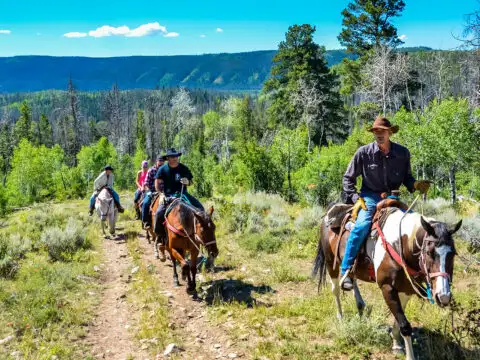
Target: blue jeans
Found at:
x=360, y=230
x=136, y=197
x=194, y=201
x=94, y=197
x=147, y=201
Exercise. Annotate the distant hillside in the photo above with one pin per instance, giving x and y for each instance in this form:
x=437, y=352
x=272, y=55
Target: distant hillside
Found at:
x=239, y=71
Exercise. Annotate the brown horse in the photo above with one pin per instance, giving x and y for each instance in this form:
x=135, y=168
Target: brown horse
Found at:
x=137, y=205
x=151, y=233
x=188, y=230
x=428, y=253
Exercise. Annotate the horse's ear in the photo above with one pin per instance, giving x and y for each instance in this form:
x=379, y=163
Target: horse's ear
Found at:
x=210, y=211
x=455, y=228
x=427, y=227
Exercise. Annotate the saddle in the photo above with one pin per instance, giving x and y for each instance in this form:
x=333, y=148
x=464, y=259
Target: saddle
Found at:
x=339, y=216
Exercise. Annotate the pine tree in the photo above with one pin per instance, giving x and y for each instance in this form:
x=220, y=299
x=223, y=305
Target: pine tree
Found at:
x=366, y=24
x=300, y=59
x=23, y=126
x=44, y=132
x=140, y=136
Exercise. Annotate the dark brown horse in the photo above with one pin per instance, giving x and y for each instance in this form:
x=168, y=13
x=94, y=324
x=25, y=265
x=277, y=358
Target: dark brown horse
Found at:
x=151, y=233
x=428, y=253
x=188, y=230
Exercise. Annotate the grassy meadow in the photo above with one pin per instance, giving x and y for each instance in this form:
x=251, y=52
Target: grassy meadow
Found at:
x=269, y=303
x=261, y=295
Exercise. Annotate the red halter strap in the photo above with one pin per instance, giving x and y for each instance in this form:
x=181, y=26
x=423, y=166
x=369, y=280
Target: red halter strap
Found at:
x=393, y=253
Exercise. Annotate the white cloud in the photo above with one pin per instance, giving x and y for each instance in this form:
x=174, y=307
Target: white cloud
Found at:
x=75, y=34
x=203, y=36
x=403, y=37
x=142, y=30
x=106, y=30
x=147, y=29
x=219, y=30
x=5, y=32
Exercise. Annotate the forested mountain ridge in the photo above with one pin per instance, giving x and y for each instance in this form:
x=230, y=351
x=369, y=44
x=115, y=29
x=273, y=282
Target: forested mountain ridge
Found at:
x=237, y=71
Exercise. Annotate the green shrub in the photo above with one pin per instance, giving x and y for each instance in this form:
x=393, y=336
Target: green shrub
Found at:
x=261, y=242
x=62, y=244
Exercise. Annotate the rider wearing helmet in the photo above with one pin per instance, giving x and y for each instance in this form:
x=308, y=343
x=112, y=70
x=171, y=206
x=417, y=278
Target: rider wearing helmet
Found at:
x=105, y=179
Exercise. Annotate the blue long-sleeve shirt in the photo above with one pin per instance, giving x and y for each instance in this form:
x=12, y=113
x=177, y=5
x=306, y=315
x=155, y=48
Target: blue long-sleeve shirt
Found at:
x=380, y=172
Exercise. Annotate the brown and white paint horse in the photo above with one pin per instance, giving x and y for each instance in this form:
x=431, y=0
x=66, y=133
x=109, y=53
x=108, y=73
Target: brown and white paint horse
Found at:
x=428, y=251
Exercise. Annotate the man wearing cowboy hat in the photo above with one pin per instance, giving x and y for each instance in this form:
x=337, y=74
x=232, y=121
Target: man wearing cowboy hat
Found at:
x=170, y=179
x=383, y=166
x=150, y=189
x=105, y=179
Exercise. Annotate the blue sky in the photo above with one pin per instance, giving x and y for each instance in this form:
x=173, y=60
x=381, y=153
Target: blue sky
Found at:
x=146, y=27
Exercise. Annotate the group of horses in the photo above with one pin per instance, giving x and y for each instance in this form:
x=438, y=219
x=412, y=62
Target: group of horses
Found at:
x=404, y=251
x=188, y=229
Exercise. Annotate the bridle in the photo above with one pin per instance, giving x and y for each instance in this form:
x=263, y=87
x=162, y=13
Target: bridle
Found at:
x=184, y=232
x=422, y=262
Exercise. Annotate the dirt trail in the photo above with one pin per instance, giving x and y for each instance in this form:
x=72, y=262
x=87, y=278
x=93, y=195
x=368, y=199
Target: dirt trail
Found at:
x=110, y=336
x=200, y=338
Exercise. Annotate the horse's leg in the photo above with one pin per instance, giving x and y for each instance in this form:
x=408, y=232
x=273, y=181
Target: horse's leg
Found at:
x=397, y=347
x=358, y=298
x=176, y=283
x=183, y=264
x=336, y=293
x=395, y=305
x=147, y=234
x=155, y=246
x=192, y=285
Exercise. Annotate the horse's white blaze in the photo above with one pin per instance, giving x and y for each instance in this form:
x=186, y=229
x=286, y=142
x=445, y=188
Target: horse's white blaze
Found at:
x=442, y=286
x=410, y=224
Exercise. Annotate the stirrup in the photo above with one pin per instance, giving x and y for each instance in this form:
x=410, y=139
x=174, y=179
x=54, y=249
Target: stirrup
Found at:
x=344, y=277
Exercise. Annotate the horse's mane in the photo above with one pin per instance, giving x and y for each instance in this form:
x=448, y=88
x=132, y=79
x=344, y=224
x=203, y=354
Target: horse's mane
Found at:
x=187, y=211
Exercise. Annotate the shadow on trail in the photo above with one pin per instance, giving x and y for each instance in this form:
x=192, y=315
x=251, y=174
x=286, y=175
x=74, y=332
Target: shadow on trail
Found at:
x=228, y=290
x=437, y=345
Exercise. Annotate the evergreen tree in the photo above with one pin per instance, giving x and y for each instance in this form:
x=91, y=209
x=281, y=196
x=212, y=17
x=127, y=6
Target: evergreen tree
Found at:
x=300, y=59
x=141, y=134
x=366, y=24
x=6, y=148
x=23, y=126
x=44, y=132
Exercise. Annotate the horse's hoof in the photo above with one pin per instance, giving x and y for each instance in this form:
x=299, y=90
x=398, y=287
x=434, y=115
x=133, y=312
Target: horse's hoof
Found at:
x=163, y=258
x=191, y=291
x=176, y=284
x=157, y=256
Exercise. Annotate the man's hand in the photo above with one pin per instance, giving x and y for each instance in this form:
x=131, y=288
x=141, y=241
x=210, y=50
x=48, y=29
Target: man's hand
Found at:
x=184, y=181
x=360, y=204
x=422, y=186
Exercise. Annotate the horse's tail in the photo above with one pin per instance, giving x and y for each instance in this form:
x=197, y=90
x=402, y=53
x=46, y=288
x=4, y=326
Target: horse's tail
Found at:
x=319, y=265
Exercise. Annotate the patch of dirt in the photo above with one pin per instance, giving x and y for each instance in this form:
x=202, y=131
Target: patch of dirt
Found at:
x=200, y=339
x=111, y=333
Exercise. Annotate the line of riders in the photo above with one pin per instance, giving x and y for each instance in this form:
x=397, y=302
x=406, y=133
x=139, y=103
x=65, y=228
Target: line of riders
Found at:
x=167, y=176
x=382, y=164
x=426, y=247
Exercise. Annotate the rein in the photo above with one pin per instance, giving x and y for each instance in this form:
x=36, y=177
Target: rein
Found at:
x=422, y=260
x=184, y=233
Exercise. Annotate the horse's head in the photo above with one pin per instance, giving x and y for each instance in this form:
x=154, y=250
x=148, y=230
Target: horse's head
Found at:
x=206, y=231
x=438, y=251
x=104, y=204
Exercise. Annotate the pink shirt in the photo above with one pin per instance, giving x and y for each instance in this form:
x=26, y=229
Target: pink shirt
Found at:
x=143, y=177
